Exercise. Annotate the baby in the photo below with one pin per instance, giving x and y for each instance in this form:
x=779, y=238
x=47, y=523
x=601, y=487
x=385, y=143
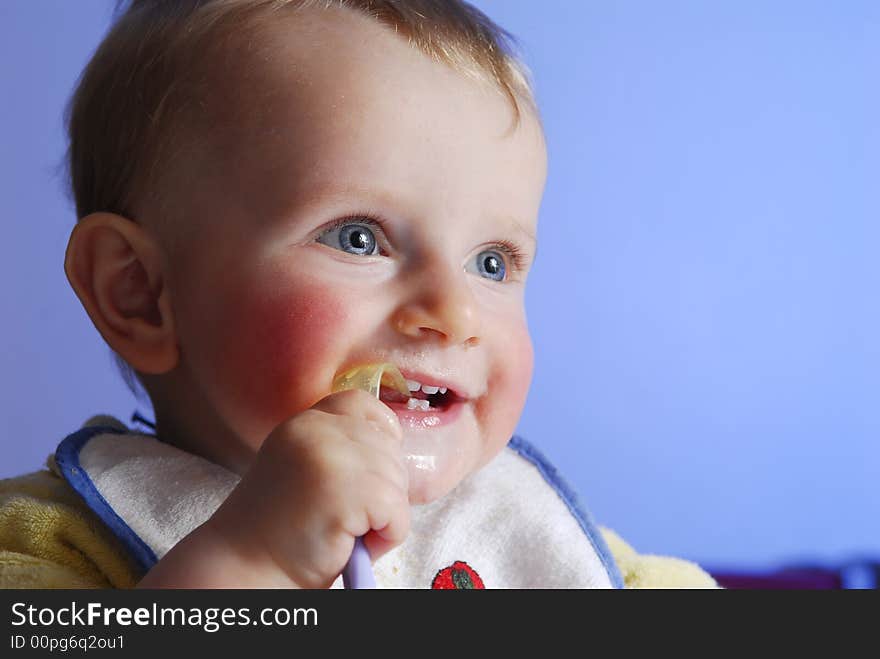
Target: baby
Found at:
x=270, y=193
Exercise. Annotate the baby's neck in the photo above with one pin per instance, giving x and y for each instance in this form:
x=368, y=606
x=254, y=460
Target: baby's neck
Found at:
x=185, y=421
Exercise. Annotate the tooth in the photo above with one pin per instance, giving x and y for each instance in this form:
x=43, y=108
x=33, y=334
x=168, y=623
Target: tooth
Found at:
x=442, y=390
x=413, y=385
x=430, y=390
x=418, y=404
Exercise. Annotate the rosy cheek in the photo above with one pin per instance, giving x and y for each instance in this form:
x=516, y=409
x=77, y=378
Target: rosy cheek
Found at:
x=522, y=373
x=509, y=382
x=281, y=350
x=518, y=376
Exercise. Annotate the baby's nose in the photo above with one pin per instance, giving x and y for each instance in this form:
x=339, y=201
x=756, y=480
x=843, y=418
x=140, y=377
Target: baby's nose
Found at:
x=445, y=310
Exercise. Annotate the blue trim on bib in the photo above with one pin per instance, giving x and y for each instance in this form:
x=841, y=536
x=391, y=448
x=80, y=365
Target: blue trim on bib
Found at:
x=572, y=501
x=67, y=459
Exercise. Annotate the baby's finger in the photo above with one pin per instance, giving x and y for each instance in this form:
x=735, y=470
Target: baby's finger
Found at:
x=392, y=470
x=360, y=404
x=389, y=521
x=375, y=437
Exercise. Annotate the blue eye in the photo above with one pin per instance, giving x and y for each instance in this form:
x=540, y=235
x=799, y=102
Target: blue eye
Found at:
x=351, y=237
x=491, y=264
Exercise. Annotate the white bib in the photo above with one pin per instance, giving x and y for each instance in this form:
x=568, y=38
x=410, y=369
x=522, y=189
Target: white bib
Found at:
x=512, y=524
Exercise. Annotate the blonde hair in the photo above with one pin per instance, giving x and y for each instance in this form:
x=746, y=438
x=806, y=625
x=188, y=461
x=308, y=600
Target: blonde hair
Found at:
x=136, y=97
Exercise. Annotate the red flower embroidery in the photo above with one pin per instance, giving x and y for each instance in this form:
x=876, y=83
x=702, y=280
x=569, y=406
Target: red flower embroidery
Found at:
x=457, y=576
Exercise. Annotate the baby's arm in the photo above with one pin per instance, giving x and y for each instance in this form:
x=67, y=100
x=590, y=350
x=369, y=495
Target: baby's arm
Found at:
x=321, y=479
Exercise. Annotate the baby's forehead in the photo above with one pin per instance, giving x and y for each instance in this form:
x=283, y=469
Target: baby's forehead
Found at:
x=285, y=102
x=320, y=62
x=176, y=88
x=326, y=67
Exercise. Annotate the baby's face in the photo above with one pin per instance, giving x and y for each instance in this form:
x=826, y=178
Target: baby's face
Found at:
x=362, y=204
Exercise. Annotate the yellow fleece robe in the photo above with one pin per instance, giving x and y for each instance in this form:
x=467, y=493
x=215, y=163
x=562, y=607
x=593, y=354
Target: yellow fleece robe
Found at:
x=49, y=538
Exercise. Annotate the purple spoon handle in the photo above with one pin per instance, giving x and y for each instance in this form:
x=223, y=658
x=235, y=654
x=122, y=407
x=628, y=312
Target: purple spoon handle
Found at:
x=358, y=572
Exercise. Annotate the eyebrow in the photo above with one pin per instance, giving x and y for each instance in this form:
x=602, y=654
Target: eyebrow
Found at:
x=522, y=231
x=323, y=192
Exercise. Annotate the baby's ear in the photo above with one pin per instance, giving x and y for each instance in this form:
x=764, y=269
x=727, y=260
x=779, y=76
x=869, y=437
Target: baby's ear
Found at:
x=116, y=270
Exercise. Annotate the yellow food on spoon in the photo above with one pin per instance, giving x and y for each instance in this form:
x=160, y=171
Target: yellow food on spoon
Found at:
x=370, y=378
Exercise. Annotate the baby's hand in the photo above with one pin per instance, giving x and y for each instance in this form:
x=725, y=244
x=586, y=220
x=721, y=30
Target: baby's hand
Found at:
x=322, y=478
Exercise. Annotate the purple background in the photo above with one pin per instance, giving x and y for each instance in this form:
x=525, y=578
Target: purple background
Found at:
x=704, y=301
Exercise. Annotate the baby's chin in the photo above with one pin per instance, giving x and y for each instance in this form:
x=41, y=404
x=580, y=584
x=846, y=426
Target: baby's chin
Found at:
x=424, y=488
x=439, y=459
x=430, y=479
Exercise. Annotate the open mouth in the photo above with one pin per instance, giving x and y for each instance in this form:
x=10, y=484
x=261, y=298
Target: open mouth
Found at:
x=420, y=400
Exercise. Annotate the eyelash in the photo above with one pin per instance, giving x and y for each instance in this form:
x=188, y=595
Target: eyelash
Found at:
x=518, y=258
